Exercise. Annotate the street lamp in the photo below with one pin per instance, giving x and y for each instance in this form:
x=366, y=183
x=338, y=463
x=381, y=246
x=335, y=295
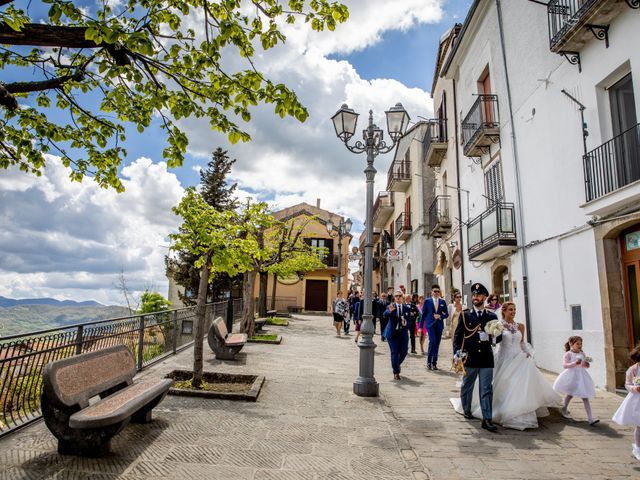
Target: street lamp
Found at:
x=343, y=228
x=344, y=122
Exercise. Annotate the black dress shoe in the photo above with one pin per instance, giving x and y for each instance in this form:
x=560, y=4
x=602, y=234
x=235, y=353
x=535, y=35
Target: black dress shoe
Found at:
x=434, y=367
x=413, y=351
x=429, y=367
x=468, y=415
x=487, y=425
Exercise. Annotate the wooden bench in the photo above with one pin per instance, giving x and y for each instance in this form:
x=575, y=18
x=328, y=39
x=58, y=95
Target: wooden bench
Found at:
x=226, y=346
x=89, y=398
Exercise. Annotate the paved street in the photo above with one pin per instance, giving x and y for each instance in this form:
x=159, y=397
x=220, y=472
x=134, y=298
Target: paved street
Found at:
x=308, y=425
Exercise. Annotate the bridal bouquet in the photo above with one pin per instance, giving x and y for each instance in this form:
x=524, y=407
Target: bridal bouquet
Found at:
x=636, y=381
x=494, y=328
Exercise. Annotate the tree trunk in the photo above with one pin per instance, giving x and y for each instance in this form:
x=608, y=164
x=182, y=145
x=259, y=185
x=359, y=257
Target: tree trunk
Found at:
x=248, y=324
x=262, y=295
x=273, y=292
x=201, y=311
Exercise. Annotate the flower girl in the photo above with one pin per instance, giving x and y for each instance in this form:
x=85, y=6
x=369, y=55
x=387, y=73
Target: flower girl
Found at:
x=629, y=411
x=575, y=381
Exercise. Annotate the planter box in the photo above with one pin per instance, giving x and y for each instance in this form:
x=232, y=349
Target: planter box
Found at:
x=232, y=386
x=275, y=342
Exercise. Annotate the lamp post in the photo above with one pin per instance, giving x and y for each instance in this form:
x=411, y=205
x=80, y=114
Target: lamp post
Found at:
x=343, y=228
x=344, y=122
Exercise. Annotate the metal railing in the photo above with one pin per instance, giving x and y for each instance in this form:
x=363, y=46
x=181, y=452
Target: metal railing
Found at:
x=402, y=225
x=613, y=164
x=495, y=224
x=483, y=115
x=436, y=133
x=151, y=337
x=399, y=171
x=384, y=199
x=439, y=212
x=282, y=303
x=563, y=15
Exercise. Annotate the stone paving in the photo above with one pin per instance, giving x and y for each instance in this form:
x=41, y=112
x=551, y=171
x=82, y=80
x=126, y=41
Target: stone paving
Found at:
x=307, y=425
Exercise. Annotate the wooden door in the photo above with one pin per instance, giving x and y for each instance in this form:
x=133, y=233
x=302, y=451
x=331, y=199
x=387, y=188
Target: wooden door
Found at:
x=630, y=248
x=487, y=104
x=315, y=297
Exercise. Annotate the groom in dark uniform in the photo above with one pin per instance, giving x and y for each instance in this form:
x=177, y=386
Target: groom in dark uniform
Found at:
x=471, y=339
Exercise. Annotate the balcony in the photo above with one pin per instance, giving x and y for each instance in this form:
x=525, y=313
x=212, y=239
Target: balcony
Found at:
x=435, y=142
x=439, y=218
x=330, y=260
x=613, y=164
x=493, y=233
x=572, y=23
x=481, y=126
x=399, y=176
x=403, y=226
x=382, y=209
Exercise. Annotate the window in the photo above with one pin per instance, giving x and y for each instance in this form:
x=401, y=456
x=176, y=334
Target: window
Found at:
x=493, y=183
x=321, y=243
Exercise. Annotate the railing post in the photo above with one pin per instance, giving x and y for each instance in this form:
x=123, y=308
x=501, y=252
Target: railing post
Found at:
x=230, y=314
x=175, y=331
x=140, y=341
x=79, y=339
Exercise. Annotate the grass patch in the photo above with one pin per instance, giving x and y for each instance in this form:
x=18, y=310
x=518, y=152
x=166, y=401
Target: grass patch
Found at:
x=280, y=322
x=270, y=338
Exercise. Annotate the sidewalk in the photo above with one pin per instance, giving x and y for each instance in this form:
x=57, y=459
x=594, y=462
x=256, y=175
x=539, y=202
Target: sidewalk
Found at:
x=308, y=425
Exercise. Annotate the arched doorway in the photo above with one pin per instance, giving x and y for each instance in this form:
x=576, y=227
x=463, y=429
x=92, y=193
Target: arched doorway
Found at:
x=501, y=282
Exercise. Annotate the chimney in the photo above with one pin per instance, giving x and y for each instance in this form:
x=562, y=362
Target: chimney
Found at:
x=317, y=202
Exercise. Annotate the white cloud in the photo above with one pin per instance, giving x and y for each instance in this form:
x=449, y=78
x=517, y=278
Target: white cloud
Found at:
x=70, y=240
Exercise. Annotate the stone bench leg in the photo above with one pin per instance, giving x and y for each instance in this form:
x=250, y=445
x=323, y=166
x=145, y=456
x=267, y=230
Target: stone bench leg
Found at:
x=144, y=414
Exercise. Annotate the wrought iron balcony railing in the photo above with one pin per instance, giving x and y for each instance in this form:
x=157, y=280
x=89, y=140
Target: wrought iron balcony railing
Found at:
x=439, y=217
x=403, y=226
x=481, y=126
x=613, y=164
x=330, y=260
x=435, y=142
x=399, y=176
x=382, y=209
x=492, y=233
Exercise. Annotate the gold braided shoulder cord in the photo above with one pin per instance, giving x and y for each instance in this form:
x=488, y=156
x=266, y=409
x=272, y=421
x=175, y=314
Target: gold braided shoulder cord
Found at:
x=458, y=366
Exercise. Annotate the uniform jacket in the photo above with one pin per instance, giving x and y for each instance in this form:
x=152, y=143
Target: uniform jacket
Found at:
x=429, y=310
x=479, y=354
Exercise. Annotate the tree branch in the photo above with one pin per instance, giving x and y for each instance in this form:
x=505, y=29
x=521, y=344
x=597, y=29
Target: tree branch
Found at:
x=6, y=99
x=38, y=35
x=25, y=87
x=5, y=2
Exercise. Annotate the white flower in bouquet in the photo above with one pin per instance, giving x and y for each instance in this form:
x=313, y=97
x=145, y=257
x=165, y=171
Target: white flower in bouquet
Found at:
x=636, y=381
x=588, y=359
x=494, y=328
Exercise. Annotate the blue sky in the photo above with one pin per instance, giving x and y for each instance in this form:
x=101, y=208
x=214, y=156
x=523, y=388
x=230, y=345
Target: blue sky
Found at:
x=71, y=241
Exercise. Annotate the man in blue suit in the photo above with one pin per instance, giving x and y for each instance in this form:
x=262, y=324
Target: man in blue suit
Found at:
x=396, y=333
x=434, y=311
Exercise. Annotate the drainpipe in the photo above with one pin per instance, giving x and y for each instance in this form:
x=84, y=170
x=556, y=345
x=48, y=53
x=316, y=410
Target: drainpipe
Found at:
x=455, y=123
x=522, y=242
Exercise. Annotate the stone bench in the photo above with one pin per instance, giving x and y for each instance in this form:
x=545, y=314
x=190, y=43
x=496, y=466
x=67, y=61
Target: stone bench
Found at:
x=226, y=346
x=260, y=323
x=89, y=398
x=272, y=313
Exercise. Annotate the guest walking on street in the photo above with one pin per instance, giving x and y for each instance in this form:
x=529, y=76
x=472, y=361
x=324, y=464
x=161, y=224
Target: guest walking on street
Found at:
x=413, y=318
x=385, y=300
x=358, y=307
x=340, y=310
x=454, y=313
x=434, y=311
x=396, y=333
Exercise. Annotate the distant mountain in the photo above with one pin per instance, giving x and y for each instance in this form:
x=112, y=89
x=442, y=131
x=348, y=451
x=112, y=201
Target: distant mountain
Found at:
x=10, y=302
x=30, y=318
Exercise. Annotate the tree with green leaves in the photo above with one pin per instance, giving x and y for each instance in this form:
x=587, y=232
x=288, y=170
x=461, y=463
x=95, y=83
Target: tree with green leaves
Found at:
x=153, y=302
x=219, y=194
x=285, y=253
x=111, y=64
x=223, y=241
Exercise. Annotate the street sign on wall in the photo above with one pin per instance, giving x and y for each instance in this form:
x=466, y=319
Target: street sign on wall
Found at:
x=393, y=254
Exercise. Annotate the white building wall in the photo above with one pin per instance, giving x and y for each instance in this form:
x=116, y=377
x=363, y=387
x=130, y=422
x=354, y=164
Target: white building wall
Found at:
x=562, y=270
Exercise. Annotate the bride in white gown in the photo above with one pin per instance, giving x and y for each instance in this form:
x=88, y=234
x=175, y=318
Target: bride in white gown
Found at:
x=520, y=392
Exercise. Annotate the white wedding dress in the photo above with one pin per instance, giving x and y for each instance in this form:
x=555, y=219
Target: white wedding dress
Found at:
x=520, y=392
